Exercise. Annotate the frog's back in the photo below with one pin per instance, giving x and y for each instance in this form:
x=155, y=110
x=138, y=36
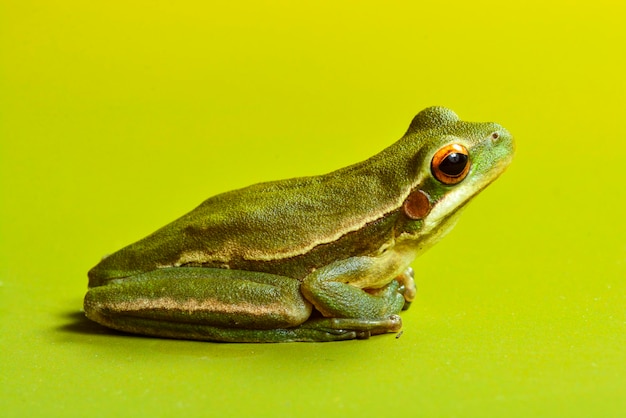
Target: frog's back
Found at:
x=264, y=222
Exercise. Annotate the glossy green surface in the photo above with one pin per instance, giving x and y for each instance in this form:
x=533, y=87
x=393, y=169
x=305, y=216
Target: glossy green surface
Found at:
x=521, y=310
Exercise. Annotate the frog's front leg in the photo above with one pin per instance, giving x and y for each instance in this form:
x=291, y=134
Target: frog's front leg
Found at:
x=361, y=288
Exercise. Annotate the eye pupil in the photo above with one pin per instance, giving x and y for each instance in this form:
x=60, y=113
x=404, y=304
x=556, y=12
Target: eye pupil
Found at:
x=454, y=164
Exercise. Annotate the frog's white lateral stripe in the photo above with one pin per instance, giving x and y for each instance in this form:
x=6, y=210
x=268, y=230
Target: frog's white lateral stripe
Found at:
x=193, y=305
x=251, y=255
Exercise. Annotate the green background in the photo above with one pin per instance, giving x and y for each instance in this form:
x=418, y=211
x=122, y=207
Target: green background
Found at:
x=117, y=117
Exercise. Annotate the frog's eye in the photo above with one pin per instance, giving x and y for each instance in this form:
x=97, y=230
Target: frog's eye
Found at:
x=450, y=164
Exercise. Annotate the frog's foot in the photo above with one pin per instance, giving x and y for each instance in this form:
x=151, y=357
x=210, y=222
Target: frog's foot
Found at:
x=407, y=287
x=350, y=328
x=314, y=330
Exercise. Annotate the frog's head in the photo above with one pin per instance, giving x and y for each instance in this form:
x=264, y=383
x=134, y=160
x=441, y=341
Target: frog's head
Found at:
x=455, y=160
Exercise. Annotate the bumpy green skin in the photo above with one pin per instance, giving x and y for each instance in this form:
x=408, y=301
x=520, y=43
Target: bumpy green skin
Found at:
x=320, y=258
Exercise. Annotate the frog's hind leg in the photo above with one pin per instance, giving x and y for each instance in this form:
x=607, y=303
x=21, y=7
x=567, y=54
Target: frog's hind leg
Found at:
x=220, y=305
x=198, y=303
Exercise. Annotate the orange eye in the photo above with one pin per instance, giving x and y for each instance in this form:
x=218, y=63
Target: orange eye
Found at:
x=450, y=164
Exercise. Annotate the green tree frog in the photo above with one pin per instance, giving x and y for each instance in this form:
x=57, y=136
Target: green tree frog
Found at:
x=319, y=258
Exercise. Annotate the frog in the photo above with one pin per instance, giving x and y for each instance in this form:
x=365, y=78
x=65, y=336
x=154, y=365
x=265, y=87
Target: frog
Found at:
x=318, y=258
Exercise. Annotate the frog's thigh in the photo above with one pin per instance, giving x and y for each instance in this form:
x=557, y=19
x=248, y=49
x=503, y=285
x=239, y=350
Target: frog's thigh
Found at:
x=179, y=298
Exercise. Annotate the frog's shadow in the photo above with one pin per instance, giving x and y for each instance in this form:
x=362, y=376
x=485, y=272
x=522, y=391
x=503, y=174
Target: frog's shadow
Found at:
x=77, y=323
